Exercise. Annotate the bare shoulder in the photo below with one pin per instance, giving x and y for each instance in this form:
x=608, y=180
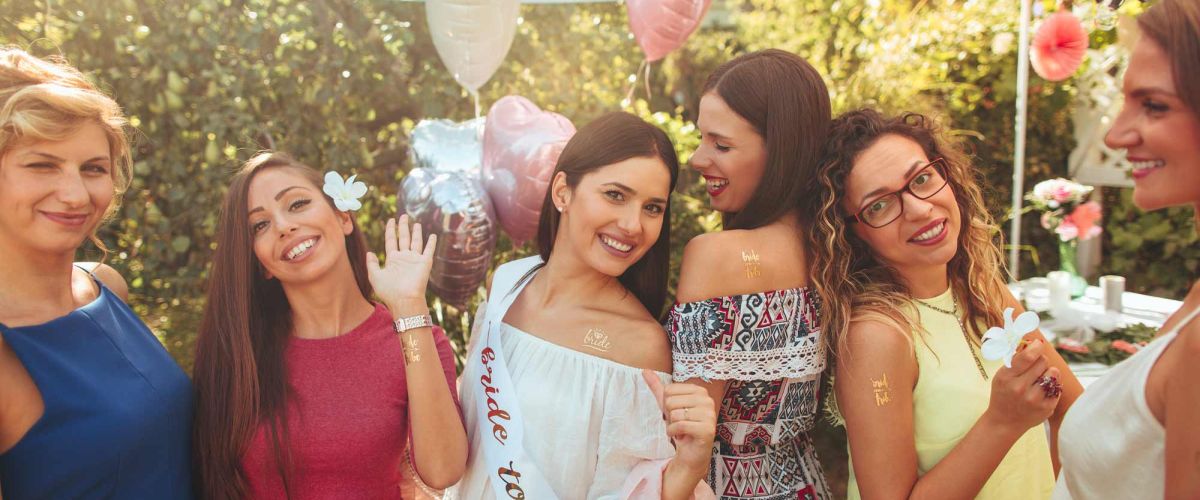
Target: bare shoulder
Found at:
x=1190, y=333
x=712, y=265
x=109, y=276
x=703, y=247
x=644, y=344
x=873, y=342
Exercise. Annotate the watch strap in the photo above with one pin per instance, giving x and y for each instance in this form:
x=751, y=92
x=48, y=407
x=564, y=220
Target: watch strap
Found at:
x=407, y=323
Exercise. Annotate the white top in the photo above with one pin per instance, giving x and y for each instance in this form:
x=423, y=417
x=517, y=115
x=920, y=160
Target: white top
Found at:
x=1110, y=444
x=588, y=420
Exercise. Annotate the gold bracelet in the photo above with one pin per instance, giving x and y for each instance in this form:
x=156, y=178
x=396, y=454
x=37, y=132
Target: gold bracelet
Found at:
x=412, y=354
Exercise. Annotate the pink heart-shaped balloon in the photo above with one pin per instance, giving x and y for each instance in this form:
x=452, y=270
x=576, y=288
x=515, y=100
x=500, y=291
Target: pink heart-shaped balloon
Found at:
x=1059, y=46
x=661, y=26
x=521, y=145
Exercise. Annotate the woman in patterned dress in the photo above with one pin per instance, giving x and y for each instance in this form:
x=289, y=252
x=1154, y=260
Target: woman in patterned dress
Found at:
x=746, y=326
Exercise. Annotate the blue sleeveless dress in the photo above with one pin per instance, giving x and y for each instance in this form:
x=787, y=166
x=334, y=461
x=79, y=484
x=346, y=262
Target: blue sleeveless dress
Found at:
x=118, y=410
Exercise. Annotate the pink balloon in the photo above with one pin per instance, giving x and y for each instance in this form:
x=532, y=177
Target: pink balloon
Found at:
x=1059, y=46
x=521, y=144
x=661, y=26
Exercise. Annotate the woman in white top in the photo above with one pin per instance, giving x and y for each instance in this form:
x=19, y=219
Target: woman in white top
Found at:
x=1135, y=433
x=563, y=389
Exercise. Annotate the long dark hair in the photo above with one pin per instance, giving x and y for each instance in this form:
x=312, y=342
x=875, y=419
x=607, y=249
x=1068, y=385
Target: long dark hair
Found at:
x=239, y=375
x=787, y=102
x=613, y=138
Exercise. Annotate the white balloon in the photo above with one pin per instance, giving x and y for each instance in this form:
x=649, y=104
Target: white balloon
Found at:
x=472, y=36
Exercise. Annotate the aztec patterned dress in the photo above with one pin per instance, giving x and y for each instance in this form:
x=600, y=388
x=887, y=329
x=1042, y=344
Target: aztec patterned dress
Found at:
x=769, y=347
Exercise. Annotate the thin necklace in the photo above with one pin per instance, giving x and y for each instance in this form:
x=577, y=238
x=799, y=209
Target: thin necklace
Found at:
x=962, y=328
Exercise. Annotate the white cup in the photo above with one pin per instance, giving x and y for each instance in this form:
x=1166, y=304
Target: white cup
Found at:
x=1060, y=289
x=1112, y=288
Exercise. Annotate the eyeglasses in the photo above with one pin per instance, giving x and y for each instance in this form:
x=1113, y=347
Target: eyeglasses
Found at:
x=887, y=208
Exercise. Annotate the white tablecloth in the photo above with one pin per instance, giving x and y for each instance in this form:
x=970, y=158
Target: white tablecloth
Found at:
x=1136, y=308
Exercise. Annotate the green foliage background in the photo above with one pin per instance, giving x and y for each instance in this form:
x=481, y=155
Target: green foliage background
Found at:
x=340, y=83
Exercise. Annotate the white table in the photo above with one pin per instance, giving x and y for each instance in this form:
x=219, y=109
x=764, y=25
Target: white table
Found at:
x=1136, y=308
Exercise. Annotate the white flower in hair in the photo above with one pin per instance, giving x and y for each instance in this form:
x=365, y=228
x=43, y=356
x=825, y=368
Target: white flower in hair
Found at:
x=1002, y=343
x=345, y=193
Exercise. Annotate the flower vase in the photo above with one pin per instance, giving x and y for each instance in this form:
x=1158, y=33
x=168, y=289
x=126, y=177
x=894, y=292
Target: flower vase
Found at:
x=1067, y=262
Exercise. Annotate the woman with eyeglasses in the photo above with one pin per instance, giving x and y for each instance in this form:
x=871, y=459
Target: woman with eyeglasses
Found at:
x=905, y=262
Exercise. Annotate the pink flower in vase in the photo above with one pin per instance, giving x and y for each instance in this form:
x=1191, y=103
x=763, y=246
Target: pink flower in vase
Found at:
x=1047, y=220
x=1062, y=193
x=1084, y=218
x=1067, y=230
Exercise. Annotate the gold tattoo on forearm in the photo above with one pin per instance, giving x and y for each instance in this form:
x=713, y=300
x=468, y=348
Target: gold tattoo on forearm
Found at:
x=883, y=393
x=750, y=261
x=412, y=353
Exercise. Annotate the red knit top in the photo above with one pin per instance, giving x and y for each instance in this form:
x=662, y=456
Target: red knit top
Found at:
x=347, y=416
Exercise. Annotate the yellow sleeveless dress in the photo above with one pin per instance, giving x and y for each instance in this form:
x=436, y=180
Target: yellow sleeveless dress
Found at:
x=949, y=398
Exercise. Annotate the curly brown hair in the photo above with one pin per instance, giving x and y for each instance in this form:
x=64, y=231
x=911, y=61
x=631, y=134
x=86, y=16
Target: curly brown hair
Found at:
x=857, y=286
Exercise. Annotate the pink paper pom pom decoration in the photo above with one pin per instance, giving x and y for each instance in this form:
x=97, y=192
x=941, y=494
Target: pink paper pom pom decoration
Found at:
x=1059, y=46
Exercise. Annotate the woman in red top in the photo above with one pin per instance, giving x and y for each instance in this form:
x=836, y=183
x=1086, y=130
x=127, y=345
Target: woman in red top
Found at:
x=305, y=388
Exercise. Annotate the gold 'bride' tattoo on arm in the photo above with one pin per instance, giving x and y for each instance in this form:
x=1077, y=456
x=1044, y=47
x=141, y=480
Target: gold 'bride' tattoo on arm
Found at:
x=412, y=353
x=750, y=262
x=883, y=393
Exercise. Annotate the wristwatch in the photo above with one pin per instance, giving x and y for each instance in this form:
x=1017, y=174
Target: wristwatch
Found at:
x=419, y=321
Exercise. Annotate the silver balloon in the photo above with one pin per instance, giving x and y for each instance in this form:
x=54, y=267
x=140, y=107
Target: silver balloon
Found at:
x=446, y=146
x=1106, y=18
x=443, y=192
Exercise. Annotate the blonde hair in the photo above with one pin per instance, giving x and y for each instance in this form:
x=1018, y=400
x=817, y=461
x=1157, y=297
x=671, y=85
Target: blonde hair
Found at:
x=48, y=100
x=857, y=286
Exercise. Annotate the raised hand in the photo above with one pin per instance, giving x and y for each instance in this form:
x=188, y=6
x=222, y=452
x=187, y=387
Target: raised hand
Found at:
x=691, y=420
x=405, y=273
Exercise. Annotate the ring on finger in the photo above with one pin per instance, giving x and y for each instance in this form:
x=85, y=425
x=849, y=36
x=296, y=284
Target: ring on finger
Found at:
x=1050, y=386
x=685, y=413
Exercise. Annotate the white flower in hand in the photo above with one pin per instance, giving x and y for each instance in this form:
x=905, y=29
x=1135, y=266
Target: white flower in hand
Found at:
x=1002, y=343
x=345, y=193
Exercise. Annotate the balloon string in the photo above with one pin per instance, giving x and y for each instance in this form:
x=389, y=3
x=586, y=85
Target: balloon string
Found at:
x=476, y=96
x=646, y=81
x=633, y=84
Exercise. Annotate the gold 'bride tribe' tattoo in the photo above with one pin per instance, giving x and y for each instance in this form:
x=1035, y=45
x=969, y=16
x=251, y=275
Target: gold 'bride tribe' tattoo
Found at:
x=412, y=353
x=750, y=262
x=597, y=339
x=883, y=394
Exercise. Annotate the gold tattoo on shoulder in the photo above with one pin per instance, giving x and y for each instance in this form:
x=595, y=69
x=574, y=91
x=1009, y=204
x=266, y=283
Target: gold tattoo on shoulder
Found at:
x=883, y=393
x=597, y=339
x=750, y=261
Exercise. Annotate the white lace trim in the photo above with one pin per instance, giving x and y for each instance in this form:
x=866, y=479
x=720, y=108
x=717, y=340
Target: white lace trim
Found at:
x=790, y=362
